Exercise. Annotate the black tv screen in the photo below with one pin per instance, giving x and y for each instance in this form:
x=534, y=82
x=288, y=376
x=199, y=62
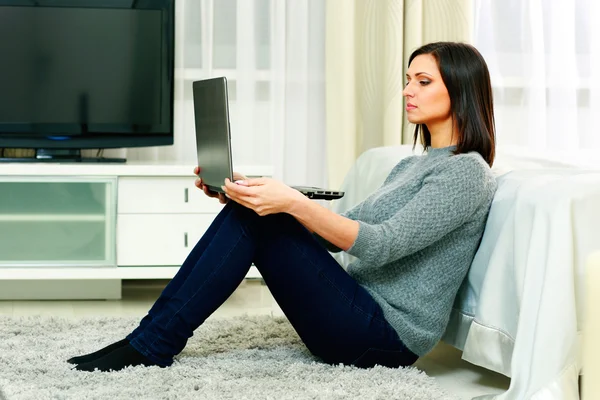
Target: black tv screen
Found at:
x=86, y=74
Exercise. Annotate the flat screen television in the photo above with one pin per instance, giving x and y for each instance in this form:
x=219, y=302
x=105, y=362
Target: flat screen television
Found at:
x=85, y=74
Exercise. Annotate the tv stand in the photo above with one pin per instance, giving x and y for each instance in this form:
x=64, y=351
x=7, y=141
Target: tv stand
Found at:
x=62, y=156
x=75, y=231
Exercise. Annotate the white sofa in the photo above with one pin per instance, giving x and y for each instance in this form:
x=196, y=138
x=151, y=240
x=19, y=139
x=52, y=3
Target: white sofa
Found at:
x=520, y=310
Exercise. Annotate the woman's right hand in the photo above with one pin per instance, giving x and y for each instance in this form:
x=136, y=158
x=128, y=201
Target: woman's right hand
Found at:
x=221, y=196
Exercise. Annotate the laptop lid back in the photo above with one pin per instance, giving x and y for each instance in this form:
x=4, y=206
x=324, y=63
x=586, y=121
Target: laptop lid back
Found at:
x=213, y=136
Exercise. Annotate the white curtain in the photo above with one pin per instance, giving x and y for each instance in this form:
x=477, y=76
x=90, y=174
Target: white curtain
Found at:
x=368, y=45
x=544, y=58
x=272, y=53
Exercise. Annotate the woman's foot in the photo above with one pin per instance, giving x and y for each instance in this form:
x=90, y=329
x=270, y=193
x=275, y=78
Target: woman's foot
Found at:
x=98, y=354
x=116, y=360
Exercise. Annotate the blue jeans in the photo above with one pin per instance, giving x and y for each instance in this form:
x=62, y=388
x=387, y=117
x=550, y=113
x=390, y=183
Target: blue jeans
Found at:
x=335, y=317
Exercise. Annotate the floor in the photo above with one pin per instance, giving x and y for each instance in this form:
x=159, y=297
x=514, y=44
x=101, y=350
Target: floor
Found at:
x=252, y=297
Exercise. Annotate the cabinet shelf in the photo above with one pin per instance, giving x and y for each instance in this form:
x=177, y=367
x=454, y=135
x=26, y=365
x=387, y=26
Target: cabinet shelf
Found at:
x=53, y=217
x=65, y=221
x=91, y=273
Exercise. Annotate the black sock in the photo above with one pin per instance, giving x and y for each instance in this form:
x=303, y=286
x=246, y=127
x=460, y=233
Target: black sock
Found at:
x=100, y=353
x=116, y=360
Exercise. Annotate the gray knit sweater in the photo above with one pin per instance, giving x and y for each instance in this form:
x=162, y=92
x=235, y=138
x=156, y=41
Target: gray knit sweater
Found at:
x=418, y=234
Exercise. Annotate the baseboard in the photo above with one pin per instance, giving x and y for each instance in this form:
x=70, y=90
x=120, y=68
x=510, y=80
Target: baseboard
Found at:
x=109, y=289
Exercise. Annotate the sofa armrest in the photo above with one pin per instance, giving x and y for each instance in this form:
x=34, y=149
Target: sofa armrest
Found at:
x=591, y=330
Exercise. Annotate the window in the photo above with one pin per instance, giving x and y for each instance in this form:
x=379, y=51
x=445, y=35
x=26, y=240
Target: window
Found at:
x=544, y=59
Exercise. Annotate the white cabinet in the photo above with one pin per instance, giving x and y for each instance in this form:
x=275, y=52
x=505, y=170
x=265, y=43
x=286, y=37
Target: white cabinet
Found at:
x=79, y=223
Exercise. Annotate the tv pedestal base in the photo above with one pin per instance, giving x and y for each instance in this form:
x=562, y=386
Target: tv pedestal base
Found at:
x=61, y=156
x=75, y=231
x=94, y=160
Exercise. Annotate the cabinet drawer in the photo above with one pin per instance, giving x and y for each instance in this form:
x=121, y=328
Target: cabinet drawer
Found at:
x=160, y=239
x=163, y=195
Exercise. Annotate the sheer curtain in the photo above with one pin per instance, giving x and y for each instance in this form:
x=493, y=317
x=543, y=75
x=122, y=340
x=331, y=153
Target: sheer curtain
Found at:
x=368, y=44
x=272, y=53
x=544, y=58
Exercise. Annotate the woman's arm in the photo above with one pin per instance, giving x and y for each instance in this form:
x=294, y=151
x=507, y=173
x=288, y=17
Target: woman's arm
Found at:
x=337, y=230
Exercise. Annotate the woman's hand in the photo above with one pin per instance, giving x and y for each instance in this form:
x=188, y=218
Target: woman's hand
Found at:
x=263, y=195
x=222, y=199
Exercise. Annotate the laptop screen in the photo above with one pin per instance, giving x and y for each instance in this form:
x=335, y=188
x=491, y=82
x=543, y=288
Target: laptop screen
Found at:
x=213, y=142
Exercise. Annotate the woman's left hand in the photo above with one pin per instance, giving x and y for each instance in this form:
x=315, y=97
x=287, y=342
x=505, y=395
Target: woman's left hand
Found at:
x=263, y=195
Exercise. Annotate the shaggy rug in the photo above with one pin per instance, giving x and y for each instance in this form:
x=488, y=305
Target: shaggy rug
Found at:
x=237, y=358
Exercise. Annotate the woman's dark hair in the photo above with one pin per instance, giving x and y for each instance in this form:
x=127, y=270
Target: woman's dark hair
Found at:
x=467, y=79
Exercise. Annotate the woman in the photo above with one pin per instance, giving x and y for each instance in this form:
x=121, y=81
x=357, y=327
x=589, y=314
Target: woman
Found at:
x=414, y=239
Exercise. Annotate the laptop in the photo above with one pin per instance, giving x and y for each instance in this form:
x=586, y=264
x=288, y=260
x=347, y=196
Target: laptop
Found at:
x=213, y=138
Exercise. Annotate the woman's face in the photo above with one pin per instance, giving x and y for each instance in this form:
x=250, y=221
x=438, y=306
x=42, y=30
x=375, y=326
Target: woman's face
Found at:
x=427, y=99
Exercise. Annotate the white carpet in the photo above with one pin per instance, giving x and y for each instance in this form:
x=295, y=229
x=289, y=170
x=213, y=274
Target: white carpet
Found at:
x=238, y=358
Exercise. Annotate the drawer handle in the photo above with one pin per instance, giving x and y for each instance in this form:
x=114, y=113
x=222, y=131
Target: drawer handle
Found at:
x=185, y=195
x=185, y=239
